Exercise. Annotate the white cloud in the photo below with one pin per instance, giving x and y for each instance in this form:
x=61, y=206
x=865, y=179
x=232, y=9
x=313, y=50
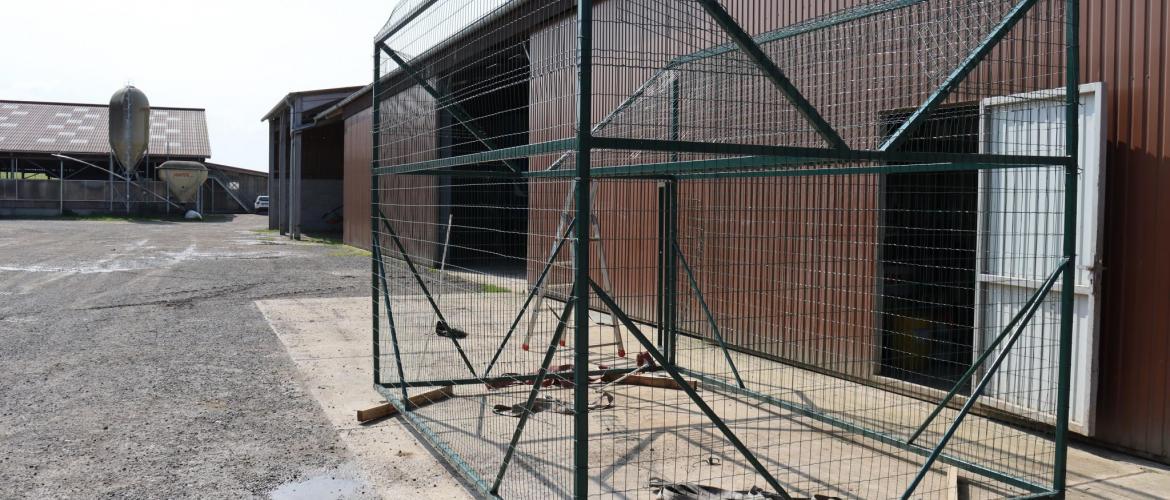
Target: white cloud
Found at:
x=236, y=58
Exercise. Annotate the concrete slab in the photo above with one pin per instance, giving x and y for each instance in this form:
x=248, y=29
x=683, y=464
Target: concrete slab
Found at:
x=329, y=340
x=650, y=432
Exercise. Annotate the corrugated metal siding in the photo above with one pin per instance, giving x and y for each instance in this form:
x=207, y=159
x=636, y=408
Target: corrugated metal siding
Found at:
x=410, y=202
x=356, y=185
x=1124, y=44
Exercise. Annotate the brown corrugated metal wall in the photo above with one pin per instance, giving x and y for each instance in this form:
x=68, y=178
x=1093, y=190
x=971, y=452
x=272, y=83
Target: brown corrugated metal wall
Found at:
x=356, y=186
x=1124, y=44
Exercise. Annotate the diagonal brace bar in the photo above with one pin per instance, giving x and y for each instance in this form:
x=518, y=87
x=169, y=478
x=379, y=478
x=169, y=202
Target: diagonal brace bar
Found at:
x=957, y=76
x=757, y=55
x=453, y=107
x=552, y=257
x=934, y=454
x=1038, y=296
x=698, y=400
x=423, y=286
x=389, y=316
x=707, y=312
x=548, y=356
x=822, y=23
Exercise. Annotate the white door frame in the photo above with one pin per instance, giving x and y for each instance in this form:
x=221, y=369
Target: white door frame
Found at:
x=1091, y=157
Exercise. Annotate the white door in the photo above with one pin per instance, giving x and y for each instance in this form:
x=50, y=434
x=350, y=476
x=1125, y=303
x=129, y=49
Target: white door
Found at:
x=1020, y=218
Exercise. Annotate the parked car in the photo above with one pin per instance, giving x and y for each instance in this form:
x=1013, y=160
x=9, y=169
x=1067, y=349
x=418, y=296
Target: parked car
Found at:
x=261, y=204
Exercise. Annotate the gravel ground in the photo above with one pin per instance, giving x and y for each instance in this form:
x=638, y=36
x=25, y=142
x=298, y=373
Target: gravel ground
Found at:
x=135, y=364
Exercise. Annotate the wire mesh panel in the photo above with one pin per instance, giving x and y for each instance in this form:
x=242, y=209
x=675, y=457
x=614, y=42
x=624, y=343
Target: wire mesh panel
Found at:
x=795, y=250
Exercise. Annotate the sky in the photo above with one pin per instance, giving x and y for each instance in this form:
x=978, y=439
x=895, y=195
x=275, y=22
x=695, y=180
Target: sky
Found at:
x=236, y=59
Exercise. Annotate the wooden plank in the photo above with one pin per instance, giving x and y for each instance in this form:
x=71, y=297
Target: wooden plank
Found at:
x=648, y=381
x=418, y=400
x=952, y=483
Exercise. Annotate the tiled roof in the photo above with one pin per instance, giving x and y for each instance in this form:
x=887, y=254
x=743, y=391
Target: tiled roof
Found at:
x=43, y=127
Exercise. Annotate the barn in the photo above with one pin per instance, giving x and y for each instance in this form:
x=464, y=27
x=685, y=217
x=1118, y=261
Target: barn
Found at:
x=57, y=159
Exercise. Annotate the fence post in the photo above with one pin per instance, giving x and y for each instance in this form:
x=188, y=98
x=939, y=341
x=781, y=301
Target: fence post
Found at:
x=581, y=278
x=1067, y=296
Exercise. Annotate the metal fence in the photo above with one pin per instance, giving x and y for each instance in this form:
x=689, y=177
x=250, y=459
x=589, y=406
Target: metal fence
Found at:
x=644, y=248
x=52, y=196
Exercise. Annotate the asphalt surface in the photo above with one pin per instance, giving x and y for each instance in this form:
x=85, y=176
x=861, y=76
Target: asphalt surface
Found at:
x=134, y=364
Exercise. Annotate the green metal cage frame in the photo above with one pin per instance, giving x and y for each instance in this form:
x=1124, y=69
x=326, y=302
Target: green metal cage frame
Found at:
x=765, y=161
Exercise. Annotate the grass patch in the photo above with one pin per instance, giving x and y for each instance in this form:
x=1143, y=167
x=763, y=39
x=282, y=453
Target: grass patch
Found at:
x=322, y=240
x=490, y=288
x=348, y=251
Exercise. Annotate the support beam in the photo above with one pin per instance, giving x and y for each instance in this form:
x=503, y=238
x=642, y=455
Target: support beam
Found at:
x=773, y=72
x=837, y=19
x=957, y=76
x=375, y=265
x=506, y=379
x=1038, y=296
x=1072, y=139
x=814, y=153
x=973, y=398
x=531, y=294
x=452, y=456
x=536, y=383
x=686, y=387
x=410, y=16
x=385, y=288
x=423, y=286
x=850, y=427
x=707, y=311
x=670, y=272
x=452, y=105
x=539, y=148
x=581, y=248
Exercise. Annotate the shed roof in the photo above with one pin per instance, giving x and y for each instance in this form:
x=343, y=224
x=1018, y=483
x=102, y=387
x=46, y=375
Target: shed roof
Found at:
x=283, y=104
x=58, y=127
x=235, y=170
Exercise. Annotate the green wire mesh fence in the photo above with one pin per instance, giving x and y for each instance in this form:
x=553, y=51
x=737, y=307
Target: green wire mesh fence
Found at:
x=668, y=248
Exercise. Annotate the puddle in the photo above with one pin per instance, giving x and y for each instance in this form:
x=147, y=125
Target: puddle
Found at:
x=330, y=485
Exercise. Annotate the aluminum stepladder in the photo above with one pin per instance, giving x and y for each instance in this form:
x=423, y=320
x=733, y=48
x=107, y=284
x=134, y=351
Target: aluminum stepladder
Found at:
x=595, y=235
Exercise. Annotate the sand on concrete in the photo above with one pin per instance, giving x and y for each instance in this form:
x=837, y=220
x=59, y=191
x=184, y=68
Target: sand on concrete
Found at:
x=650, y=432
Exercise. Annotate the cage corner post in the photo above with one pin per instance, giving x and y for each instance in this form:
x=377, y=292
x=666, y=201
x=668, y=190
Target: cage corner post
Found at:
x=581, y=256
x=1071, y=169
x=375, y=118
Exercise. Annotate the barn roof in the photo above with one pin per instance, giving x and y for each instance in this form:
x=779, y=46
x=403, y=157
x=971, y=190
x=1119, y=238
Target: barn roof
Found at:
x=54, y=127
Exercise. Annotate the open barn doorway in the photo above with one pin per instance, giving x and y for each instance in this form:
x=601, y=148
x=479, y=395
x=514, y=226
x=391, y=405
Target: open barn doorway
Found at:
x=928, y=247
x=488, y=216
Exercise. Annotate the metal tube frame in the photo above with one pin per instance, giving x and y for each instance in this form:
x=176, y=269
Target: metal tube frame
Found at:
x=536, y=288
x=707, y=312
x=423, y=286
x=774, y=73
x=671, y=370
x=766, y=161
x=536, y=383
x=453, y=107
x=581, y=256
x=1072, y=170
